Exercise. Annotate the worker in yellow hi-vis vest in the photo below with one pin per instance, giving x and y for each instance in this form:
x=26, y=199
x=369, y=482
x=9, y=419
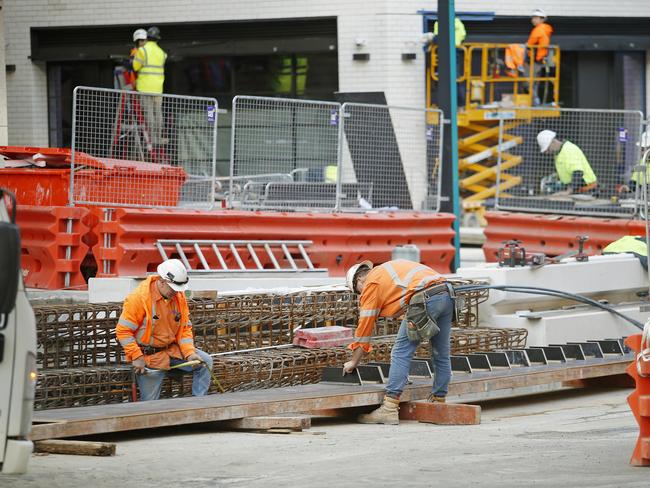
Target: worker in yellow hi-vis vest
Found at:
x=573, y=168
x=149, y=64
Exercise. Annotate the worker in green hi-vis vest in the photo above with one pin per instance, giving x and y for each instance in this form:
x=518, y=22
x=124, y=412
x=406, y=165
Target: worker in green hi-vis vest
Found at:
x=630, y=245
x=573, y=168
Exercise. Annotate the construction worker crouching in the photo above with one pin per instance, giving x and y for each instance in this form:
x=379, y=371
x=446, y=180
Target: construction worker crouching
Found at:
x=573, y=168
x=156, y=332
x=389, y=290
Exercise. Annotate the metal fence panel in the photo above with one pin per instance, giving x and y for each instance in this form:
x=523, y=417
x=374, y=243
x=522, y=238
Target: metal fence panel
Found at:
x=284, y=154
x=147, y=150
x=529, y=180
x=391, y=158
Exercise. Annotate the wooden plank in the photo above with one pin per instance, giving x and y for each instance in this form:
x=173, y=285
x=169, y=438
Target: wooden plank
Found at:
x=290, y=421
x=305, y=398
x=441, y=413
x=79, y=448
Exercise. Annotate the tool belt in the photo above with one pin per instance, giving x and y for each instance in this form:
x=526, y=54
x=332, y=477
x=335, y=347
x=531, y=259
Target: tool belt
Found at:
x=420, y=325
x=149, y=350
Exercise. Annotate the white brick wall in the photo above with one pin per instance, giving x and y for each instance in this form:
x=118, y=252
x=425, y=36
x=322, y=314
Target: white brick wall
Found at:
x=389, y=28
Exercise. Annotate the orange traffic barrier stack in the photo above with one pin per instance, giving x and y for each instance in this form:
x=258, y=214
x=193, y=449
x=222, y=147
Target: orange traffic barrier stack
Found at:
x=554, y=234
x=639, y=400
x=52, y=245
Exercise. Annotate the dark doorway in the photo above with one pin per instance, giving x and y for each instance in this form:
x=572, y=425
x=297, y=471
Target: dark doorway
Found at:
x=603, y=80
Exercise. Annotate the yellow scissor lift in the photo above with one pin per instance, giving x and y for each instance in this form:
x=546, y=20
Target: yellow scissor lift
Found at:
x=492, y=94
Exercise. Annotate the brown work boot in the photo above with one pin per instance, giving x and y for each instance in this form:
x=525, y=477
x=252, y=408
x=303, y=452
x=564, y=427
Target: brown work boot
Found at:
x=387, y=413
x=436, y=399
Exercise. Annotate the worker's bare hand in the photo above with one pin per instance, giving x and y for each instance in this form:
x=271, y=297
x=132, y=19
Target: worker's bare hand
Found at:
x=349, y=366
x=195, y=357
x=139, y=365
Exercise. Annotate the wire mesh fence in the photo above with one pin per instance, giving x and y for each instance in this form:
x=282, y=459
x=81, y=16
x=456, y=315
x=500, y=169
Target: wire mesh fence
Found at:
x=141, y=149
x=391, y=158
x=569, y=161
x=284, y=154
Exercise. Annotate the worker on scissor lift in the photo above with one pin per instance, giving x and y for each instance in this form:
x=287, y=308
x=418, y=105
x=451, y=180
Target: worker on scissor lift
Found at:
x=573, y=169
x=390, y=290
x=459, y=36
x=155, y=331
x=517, y=54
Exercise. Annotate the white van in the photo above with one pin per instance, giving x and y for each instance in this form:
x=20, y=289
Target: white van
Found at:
x=17, y=348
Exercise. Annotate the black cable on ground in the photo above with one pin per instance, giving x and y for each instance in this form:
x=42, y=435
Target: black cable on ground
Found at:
x=533, y=290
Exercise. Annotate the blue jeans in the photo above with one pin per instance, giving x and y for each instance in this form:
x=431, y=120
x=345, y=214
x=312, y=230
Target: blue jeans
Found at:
x=150, y=384
x=441, y=309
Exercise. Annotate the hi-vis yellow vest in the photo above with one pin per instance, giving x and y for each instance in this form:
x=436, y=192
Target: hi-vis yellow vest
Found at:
x=571, y=159
x=149, y=63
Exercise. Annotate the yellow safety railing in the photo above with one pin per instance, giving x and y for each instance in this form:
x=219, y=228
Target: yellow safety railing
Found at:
x=486, y=76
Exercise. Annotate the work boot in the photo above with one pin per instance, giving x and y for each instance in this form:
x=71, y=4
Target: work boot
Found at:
x=436, y=399
x=387, y=413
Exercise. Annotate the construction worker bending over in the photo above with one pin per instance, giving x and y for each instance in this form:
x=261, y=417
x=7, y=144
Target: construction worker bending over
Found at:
x=573, y=168
x=156, y=332
x=390, y=290
x=149, y=64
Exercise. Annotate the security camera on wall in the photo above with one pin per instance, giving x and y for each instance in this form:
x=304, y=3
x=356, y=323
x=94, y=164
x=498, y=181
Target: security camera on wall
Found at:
x=360, y=42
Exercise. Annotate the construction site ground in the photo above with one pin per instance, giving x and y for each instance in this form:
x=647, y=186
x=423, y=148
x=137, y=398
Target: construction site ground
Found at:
x=573, y=438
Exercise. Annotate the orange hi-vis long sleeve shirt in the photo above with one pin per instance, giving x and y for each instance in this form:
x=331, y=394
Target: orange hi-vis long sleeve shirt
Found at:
x=387, y=292
x=149, y=320
x=540, y=36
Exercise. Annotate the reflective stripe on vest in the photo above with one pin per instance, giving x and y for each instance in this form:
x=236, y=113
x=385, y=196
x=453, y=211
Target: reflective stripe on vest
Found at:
x=369, y=313
x=151, y=75
x=404, y=282
x=128, y=324
x=126, y=341
x=143, y=327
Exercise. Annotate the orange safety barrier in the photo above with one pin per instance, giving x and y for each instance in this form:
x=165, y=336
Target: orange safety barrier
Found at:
x=639, y=401
x=126, y=237
x=554, y=234
x=52, y=245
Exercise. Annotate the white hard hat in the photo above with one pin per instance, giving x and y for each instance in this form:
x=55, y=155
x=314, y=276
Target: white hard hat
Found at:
x=538, y=12
x=544, y=139
x=645, y=140
x=174, y=273
x=139, y=35
x=349, y=276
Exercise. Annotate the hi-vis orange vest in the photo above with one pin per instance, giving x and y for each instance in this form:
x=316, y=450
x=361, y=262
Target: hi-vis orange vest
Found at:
x=136, y=326
x=387, y=292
